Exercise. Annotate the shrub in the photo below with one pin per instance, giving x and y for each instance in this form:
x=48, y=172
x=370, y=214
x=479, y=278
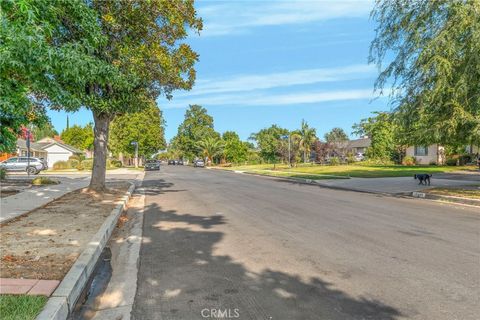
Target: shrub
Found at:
x=73, y=163
x=74, y=157
x=87, y=164
x=451, y=162
x=81, y=166
x=60, y=165
x=433, y=163
x=334, y=161
x=350, y=159
x=3, y=173
x=409, y=161
x=114, y=163
x=43, y=180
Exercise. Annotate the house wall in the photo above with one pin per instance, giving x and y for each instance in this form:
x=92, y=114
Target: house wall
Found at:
x=432, y=155
x=57, y=153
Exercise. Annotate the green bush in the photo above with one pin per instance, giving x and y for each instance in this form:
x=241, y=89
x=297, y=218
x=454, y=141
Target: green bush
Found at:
x=73, y=163
x=350, y=159
x=81, y=166
x=74, y=157
x=334, y=161
x=61, y=165
x=43, y=181
x=451, y=162
x=114, y=163
x=433, y=163
x=87, y=164
x=409, y=161
x=3, y=173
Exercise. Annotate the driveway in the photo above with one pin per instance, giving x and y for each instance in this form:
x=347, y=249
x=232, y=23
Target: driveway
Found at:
x=217, y=243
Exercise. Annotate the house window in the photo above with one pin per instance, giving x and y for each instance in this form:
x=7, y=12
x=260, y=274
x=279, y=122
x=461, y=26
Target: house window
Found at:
x=421, y=151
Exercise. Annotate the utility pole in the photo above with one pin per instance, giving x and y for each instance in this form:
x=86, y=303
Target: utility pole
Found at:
x=28, y=152
x=135, y=143
x=289, y=150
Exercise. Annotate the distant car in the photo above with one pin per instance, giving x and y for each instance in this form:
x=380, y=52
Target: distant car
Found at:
x=359, y=157
x=152, y=165
x=180, y=162
x=34, y=166
x=199, y=164
x=171, y=162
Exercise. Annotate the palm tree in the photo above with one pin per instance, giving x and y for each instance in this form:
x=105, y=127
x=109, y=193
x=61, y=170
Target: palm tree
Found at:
x=308, y=137
x=210, y=147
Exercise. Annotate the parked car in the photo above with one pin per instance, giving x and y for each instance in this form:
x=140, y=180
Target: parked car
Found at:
x=359, y=156
x=180, y=162
x=44, y=162
x=152, y=165
x=199, y=164
x=34, y=166
x=171, y=162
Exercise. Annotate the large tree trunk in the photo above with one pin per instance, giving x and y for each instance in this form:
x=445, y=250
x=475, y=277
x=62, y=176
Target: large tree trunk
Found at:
x=102, y=123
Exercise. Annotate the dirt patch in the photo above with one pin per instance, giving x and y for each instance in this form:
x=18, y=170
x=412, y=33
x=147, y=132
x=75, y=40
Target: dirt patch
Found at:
x=7, y=193
x=46, y=242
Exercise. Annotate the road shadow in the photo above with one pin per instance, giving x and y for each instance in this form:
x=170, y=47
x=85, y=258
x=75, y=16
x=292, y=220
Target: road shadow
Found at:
x=180, y=277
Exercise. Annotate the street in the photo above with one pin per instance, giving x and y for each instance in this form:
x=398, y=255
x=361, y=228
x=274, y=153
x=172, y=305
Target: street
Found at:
x=223, y=245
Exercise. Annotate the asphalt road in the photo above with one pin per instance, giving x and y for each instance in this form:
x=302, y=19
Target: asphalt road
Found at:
x=219, y=244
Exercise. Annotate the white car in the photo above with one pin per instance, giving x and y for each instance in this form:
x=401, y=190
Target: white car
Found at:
x=32, y=166
x=359, y=157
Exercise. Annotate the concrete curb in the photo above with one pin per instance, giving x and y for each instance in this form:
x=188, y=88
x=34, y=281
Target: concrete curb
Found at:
x=426, y=195
x=64, y=298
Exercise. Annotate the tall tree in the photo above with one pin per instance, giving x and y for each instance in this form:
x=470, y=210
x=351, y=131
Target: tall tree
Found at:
x=210, y=147
x=145, y=127
x=43, y=131
x=336, y=135
x=235, y=150
x=110, y=56
x=308, y=137
x=43, y=44
x=196, y=126
x=269, y=142
x=79, y=137
x=382, y=131
x=430, y=52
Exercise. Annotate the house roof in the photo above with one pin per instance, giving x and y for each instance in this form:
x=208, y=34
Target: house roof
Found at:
x=45, y=145
x=22, y=144
x=360, y=143
x=41, y=146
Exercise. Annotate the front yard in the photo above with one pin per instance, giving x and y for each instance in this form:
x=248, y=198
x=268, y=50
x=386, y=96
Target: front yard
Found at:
x=352, y=170
x=471, y=192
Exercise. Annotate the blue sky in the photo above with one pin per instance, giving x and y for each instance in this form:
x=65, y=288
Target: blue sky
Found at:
x=265, y=62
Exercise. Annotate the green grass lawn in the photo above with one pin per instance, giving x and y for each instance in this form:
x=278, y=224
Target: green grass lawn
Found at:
x=472, y=192
x=354, y=170
x=21, y=307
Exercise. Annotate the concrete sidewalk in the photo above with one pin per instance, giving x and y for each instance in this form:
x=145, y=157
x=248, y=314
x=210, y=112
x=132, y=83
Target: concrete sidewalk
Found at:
x=391, y=185
x=23, y=202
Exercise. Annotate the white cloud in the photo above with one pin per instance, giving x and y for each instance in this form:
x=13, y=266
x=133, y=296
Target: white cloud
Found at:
x=272, y=99
x=241, y=83
x=240, y=16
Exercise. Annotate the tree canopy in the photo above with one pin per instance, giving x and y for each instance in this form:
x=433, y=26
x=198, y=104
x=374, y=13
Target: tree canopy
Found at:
x=383, y=135
x=196, y=126
x=336, y=135
x=429, y=51
x=109, y=56
x=145, y=127
x=235, y=150
x=79, y=137
x=269, y=141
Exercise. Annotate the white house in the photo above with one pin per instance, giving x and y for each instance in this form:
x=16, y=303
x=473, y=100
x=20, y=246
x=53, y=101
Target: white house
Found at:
x=56, y=150
x=47, y=148
x=433, y=153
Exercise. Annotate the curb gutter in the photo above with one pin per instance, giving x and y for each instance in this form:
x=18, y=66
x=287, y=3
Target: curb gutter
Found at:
x=64, y=298
x=425, y=195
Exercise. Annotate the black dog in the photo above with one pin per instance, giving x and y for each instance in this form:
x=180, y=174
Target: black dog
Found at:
x=423, y=178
